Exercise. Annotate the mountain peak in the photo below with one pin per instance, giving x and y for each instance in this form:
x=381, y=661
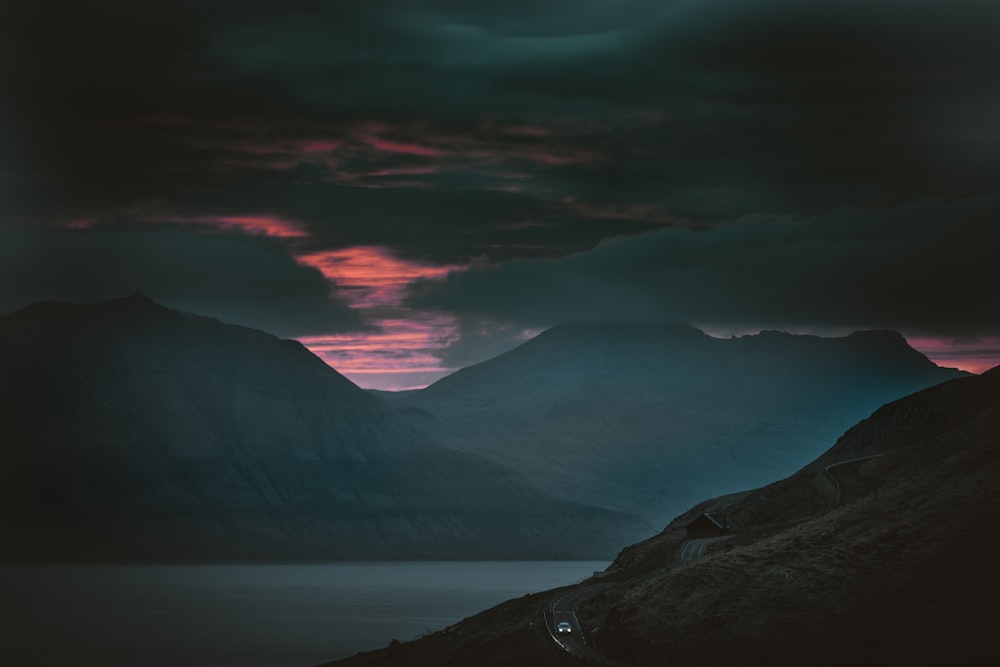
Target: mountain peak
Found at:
x=137, y=302
x=884, y=336
x=134, y=303
x=136, y=298
x=886, y=347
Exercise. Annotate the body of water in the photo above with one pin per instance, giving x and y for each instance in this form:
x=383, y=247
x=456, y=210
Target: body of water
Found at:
x=247, y=615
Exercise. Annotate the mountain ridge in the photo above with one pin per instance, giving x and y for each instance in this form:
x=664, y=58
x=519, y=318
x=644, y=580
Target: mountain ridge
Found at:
x=137, y=432
x=622, y=413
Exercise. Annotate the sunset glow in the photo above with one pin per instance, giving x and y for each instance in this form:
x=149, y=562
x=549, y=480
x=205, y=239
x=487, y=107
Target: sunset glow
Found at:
x=975, y=355
x=400, y=355
x=301, y=170
x=399, y=147
x=256, y=225
x=369, y=276
x=250, y=224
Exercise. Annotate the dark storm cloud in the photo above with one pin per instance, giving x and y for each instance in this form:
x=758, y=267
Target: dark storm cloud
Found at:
x=474, y=340
x=796, y=107
x=599, y=118
x=452, y=131
x=247, y=280
x=119, y=113
x=927, y=268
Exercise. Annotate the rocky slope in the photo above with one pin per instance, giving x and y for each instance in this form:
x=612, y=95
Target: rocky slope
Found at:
x=131, y=431
x=648, y=418
x=886, y=559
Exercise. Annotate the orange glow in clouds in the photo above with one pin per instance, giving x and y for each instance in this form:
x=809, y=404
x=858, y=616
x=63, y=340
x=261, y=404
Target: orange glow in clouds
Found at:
x=401, y=354
x=251, y=224
x=257, y=225
x=975, y=355
x=368, y=276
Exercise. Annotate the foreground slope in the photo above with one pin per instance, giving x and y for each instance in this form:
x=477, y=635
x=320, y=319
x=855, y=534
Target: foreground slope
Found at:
x=901, y=570
x=132, y=431
x=650, y=418
x=882, y=551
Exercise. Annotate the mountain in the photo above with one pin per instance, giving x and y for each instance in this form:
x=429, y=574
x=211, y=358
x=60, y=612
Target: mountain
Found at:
x=134, y=432
x=648, y=418
x=881, y=551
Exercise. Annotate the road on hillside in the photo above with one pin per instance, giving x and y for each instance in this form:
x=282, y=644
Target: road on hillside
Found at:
x=575, y=643
x=696, y=548
x=847, y=483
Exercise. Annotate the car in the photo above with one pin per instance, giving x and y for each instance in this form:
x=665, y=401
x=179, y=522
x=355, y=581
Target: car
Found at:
x=564, y=628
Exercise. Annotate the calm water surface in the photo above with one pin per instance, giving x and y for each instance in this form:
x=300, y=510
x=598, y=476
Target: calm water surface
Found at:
x=247, y=615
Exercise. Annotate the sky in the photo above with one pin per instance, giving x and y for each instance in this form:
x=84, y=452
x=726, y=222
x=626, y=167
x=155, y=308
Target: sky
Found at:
x=409, y=187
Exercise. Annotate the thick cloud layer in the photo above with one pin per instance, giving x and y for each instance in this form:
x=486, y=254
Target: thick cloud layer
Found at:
x=927, y=268
x=247, y=280
x=533, y=128
x=453, y=132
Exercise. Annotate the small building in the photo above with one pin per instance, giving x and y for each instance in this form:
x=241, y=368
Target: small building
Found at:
x=706, y=525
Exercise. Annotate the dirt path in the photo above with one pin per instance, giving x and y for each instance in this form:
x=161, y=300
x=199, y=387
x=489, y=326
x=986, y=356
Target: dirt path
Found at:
x=847, y=483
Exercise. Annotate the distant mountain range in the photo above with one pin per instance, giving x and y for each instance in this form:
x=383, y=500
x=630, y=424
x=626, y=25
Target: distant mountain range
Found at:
x=135, y=432
x=882, y=551
x=649, y=418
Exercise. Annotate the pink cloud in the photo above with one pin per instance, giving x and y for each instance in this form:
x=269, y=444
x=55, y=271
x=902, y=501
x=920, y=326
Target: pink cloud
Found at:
x=973, y=355
x=401, y=354
x=389, y=146
x=81, y=223
x=267, y=225
x=405, y=171
x=545, y=157
x=287, y=147
x=303, y=147
x=318, y=146
x=360, y=153
x=250, y=224
x=371, y=276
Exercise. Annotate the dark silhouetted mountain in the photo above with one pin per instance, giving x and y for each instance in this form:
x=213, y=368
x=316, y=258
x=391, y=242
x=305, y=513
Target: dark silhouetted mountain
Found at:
x=880, y=552
x=132, y=431
x=650, y=417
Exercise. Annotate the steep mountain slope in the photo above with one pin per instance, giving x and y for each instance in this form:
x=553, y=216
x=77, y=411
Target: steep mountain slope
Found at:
x=902, y=571
x=650, y=417
x=131, y=431
x=882, y=551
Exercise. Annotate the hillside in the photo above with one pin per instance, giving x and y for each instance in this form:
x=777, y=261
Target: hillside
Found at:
x=648, y=418
x=135, y=432
x=889, y=559
x=900, y=571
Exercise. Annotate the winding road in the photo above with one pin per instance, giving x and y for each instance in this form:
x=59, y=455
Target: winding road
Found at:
x=847, y=484
x=696, y=548
x=575, y=642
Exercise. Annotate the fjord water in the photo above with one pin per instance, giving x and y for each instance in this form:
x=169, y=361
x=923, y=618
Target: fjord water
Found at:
x=247, y=615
